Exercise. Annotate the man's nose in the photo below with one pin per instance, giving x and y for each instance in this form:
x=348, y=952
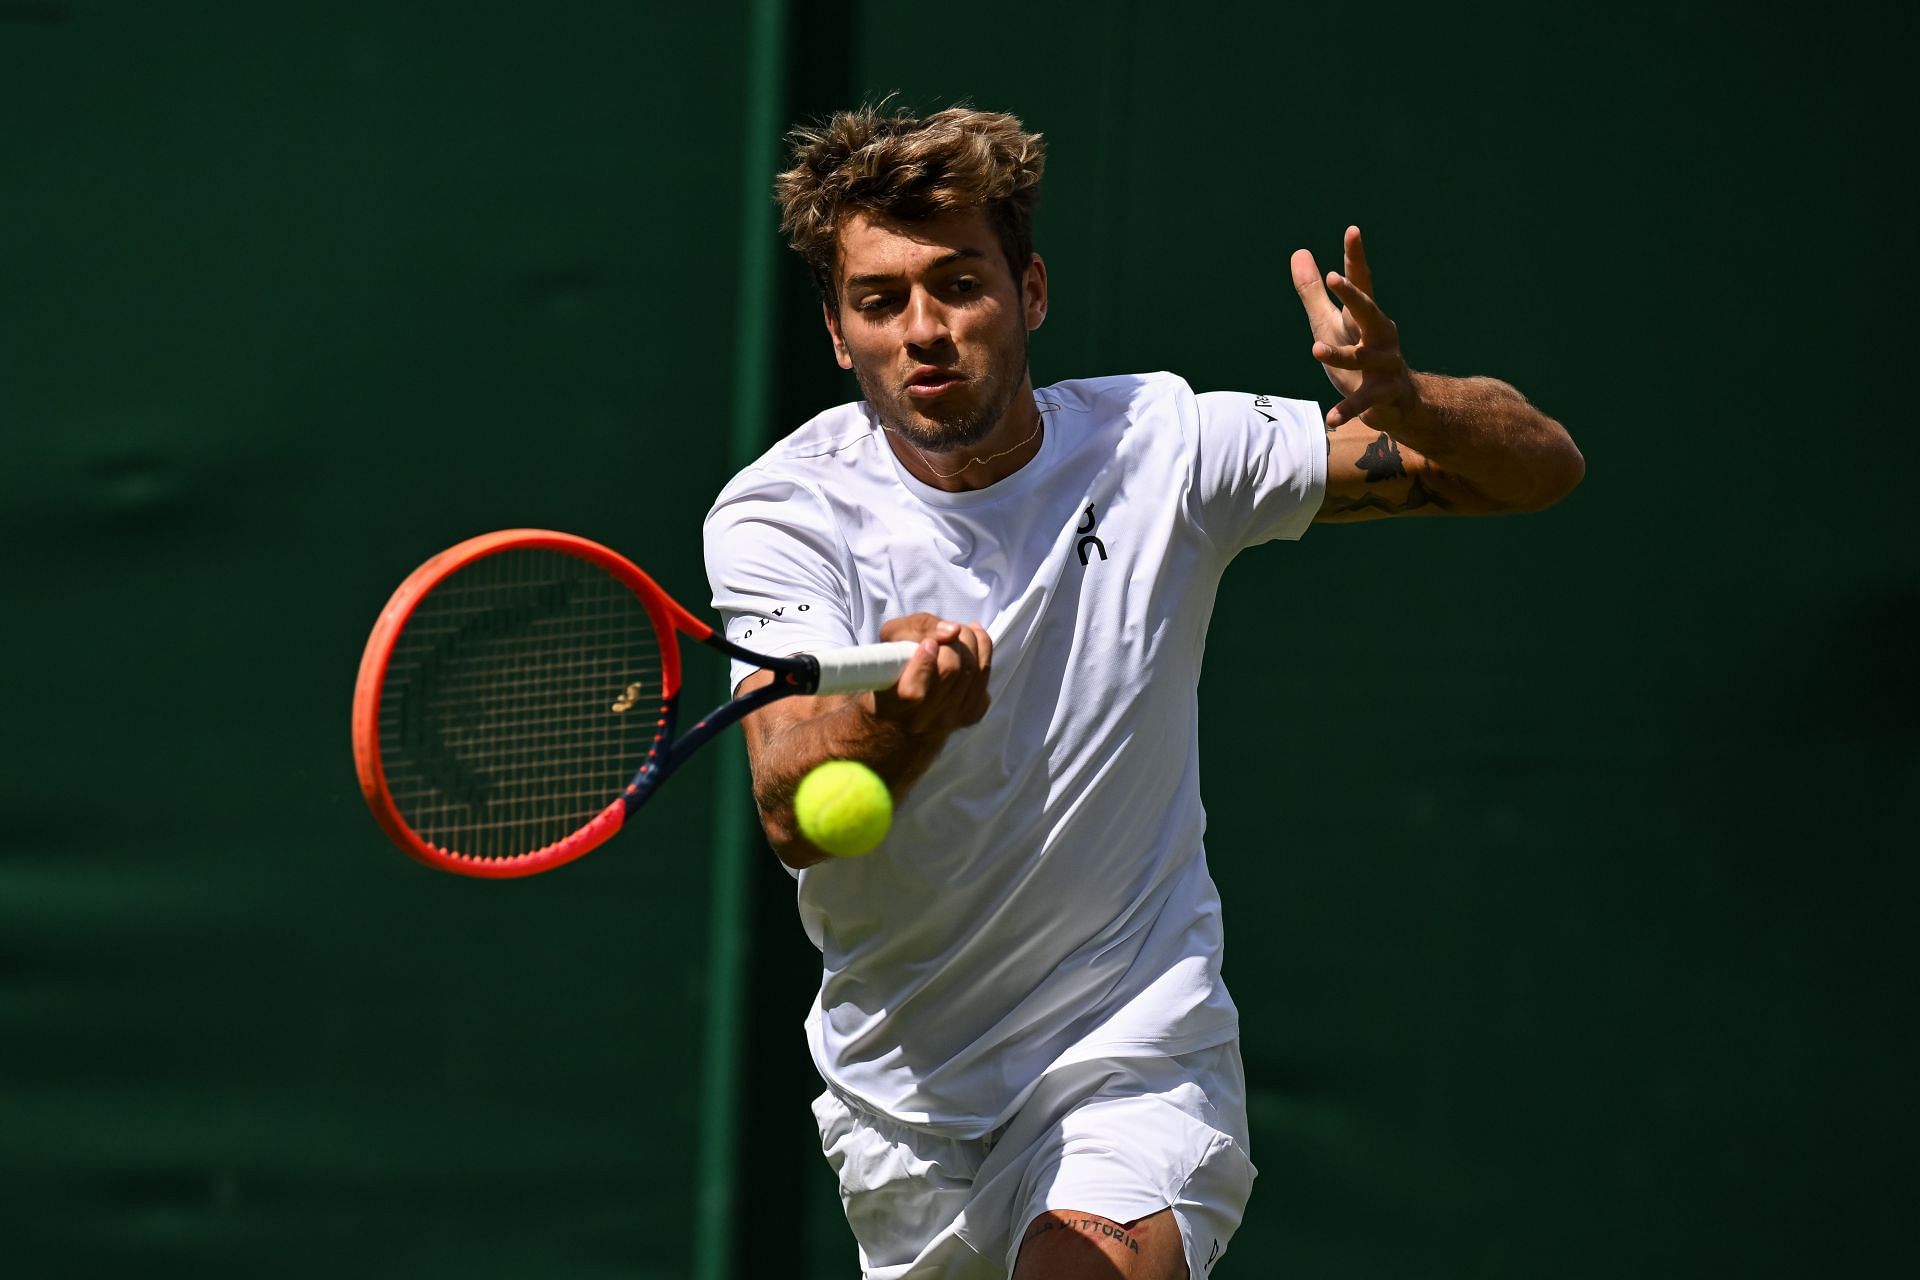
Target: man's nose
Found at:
x=926, y=320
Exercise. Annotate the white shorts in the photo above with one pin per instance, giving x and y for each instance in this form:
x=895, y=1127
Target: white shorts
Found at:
x=1117, y=1137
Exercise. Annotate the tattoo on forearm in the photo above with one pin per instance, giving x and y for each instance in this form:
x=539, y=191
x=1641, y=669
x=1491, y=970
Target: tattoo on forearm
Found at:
x=1418, y=495
x=1092, y=1227
x=1381, y=461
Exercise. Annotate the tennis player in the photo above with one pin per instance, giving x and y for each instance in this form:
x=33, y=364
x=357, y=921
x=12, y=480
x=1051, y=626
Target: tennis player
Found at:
x=1031, y=1064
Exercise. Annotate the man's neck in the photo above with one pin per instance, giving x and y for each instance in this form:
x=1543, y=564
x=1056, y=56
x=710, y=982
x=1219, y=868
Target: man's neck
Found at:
x=1012, y=444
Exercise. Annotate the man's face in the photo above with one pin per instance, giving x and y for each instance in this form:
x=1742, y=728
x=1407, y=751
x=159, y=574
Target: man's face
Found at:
x=933, y=326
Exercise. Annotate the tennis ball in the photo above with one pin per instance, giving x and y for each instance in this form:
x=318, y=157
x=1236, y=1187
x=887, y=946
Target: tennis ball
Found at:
x=843, y=808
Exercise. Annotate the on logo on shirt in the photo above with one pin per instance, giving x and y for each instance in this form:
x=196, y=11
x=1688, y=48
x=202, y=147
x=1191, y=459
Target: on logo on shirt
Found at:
x=1090, y=544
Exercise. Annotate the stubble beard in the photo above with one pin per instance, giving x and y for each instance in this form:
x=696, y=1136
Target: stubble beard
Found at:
x=965, y=429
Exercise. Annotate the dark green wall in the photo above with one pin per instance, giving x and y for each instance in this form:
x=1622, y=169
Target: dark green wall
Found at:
x=1567, y=908
x=293, y=296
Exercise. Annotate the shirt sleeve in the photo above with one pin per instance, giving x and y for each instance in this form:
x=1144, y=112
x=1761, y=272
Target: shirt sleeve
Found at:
x=777, y=569
x=1260, y=467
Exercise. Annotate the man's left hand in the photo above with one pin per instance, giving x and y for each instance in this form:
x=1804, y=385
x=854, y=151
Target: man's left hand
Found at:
x=1356, y=342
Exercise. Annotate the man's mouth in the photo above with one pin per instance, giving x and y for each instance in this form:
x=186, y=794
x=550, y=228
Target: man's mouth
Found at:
x=927, y=383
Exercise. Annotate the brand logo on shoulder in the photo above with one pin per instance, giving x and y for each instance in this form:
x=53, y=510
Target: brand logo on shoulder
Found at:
x=1089, y=544
x=1263, y=403
x=763, y=620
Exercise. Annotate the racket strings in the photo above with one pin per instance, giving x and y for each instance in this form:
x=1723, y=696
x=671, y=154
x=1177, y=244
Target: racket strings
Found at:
x=523, y=695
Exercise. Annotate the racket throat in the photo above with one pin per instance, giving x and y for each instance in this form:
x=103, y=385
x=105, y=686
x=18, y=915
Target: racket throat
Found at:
x=668, y=756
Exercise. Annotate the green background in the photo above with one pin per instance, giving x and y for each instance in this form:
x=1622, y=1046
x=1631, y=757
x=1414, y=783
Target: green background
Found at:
x=1567, y=860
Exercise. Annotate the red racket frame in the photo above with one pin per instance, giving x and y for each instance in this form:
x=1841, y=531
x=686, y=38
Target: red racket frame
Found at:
x=668, y=618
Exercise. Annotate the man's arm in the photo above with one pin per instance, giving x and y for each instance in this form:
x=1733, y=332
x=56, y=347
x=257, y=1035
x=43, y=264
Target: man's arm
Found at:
x=897, y=731
x=1404, y=443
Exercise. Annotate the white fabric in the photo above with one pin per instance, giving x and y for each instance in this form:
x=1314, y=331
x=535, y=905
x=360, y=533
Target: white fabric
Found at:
x=1043, y=897
x=1121, y=1139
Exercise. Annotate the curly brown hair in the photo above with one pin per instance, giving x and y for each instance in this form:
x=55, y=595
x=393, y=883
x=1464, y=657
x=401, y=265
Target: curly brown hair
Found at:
x=908, y=169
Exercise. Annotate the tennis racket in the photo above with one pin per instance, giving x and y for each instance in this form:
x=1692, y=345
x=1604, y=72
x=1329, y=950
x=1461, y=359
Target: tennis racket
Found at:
x=517, y=699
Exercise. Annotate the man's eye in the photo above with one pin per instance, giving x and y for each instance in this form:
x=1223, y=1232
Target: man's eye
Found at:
x=875, y=303
x=966, y=284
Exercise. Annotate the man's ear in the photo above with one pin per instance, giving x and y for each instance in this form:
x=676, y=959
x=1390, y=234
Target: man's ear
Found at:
x=840, y=352
x=1033, y=291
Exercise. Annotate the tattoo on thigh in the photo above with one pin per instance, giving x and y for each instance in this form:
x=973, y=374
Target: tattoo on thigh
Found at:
x=1089, y=1226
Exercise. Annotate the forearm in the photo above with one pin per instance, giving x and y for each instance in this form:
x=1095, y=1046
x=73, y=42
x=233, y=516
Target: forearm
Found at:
x=1486, y=436
x=896, y=732
x=788, y=743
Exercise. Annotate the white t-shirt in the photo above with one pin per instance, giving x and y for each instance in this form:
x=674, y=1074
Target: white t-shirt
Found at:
x=1043, y=896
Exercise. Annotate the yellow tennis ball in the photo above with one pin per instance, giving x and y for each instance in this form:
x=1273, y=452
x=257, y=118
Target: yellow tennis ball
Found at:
x=843, y=808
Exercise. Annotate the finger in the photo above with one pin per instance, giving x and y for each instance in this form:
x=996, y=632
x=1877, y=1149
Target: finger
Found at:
x=980, y=700
x=1343, y=380
x=919, y=626
x=1322, y=316
x=1360, y=356
x=960, y=684
x=966, y=639
x=974, y=639
x=1356, y=255
x=983, y=645
x=953, y=663
x=912, y=626
x=1363, y=311
x=1352, y=407
x=917, y=677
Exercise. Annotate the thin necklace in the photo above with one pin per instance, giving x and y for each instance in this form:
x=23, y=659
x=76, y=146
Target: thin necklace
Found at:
x=1043, y=407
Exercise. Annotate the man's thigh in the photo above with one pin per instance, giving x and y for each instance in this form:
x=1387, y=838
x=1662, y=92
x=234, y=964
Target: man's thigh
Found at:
x=1149, y=1153
x=1145, y=1174
x=1067, y=1244
x=904, y=1192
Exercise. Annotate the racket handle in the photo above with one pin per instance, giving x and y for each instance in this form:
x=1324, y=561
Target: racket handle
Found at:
x=862, y=667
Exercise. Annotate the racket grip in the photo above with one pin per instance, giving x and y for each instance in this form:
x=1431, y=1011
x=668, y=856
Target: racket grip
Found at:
x=862, y=667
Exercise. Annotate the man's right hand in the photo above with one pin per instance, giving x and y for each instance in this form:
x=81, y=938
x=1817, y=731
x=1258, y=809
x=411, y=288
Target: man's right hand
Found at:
x=944, y=685
x=897, y=731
